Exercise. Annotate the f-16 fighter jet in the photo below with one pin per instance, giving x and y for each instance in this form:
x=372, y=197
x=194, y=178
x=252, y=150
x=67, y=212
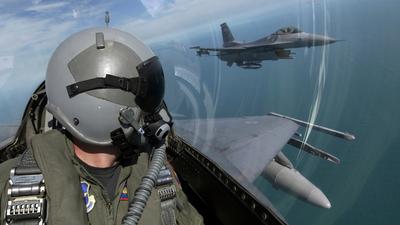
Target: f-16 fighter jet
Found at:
x=249, y=55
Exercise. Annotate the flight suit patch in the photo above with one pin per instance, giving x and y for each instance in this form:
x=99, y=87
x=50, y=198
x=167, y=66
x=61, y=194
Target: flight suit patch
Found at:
x=124, y=195
x=89, y=199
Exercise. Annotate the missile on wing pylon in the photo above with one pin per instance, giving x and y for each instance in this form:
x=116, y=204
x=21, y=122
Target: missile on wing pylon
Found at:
x=313, y=150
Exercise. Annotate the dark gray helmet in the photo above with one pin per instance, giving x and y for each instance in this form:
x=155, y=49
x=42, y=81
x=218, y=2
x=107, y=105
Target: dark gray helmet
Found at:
x=96, y=73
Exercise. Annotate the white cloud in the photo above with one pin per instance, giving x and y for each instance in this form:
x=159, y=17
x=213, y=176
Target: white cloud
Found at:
x=4, y=76
x=186, y=15
x=94, y=10
x=46, y=7
x=20, y=33
x=35, y=2
x=6, y=62
x=31, y=40
x=75, y=13
x=154, y=7
x=90, y=12
x=6, y=66
x=26, y=44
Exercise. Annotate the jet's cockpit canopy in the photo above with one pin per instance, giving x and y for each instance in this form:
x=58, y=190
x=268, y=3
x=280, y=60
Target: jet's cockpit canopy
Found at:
x=288, y=30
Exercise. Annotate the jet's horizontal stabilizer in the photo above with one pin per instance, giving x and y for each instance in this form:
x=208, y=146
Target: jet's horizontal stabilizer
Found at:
x=322, y=129
x=313, y=150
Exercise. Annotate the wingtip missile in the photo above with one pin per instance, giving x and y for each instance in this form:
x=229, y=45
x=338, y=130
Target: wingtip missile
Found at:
x=336, y=133
x=349, y=137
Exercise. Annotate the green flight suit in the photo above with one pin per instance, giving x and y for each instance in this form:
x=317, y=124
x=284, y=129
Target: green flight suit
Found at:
x=63, y=175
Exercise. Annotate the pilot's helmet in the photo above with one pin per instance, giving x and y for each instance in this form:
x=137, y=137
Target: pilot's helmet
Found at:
x=96, y=73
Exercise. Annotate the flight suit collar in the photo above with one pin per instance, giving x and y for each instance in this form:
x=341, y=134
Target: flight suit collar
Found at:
x=125, y=173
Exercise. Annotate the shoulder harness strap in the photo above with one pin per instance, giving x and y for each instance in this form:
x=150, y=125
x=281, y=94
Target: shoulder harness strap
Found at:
x=26, y=193
x=167, y=192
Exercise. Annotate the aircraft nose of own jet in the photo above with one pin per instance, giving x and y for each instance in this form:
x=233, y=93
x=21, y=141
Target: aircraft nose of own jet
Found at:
x=318, y=198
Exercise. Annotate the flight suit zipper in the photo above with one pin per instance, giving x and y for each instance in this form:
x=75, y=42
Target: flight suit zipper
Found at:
x=109, y=207
x=107, y=201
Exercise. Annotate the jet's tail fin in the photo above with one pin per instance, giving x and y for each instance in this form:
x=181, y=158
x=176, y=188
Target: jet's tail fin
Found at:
x=226, y=35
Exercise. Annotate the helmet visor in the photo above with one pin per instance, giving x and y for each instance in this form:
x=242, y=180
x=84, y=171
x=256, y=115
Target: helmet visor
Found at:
x=151, y=85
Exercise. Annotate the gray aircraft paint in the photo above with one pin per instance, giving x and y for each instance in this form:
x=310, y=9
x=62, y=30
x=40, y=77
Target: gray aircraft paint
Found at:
x=272, y=47
x=246, y=147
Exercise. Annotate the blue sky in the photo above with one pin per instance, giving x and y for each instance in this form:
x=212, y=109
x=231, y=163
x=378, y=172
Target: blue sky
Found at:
x=32, y=29
x=41, y=24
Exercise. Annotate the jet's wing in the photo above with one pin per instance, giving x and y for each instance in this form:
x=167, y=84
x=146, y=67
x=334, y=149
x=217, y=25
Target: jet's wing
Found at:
x=242, y=145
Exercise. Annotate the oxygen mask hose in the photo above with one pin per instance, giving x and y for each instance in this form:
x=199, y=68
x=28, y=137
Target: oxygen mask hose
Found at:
x=143, y=192
x=155, y=131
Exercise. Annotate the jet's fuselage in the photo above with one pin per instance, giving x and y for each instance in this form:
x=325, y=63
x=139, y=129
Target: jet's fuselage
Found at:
x=263, y=49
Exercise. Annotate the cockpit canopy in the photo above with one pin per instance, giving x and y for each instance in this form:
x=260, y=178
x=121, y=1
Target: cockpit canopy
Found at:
x=288, y=30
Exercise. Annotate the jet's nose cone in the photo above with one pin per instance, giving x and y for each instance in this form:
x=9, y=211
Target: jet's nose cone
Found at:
x=318, y=198
x=324, y=40
x=316, y=40
x=329, y=40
